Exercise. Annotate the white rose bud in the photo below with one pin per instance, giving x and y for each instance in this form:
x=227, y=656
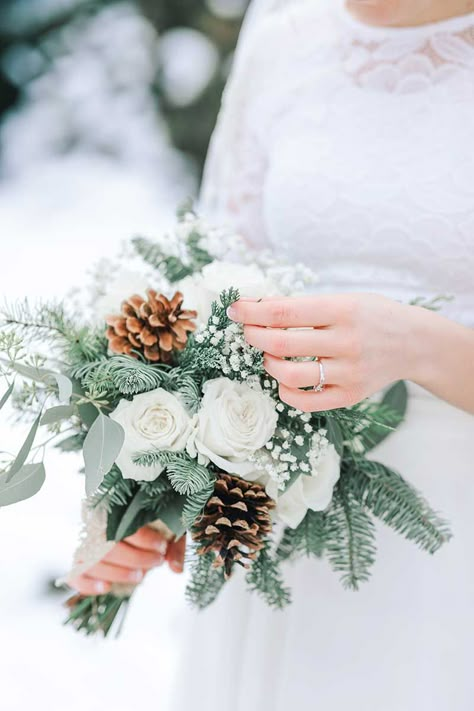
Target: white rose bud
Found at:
x=234, y=421
x=153, y=420
x=201, y=290
x=308, y=492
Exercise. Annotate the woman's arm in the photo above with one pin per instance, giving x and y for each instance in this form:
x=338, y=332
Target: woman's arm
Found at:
x=365, y=343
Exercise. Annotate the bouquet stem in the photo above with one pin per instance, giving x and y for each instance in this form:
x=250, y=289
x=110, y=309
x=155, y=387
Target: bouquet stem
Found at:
x=94, y=614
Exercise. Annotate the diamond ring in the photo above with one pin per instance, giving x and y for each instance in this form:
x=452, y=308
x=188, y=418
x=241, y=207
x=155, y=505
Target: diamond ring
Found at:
x=322, y=377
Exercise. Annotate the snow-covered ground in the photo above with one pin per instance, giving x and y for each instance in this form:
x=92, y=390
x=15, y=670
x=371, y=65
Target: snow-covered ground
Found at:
x=59, y=214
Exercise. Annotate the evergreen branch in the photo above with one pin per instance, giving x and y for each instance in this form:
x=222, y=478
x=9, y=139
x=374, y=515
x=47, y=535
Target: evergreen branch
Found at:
x=185, y=474
x=205, y=582
x=122, y=374
x=350, y=540
x=43, y=316
x=173, y=268
x=309, y=538
x=96, y=614
x=158, y=493
x=398, y=504
x=265, y=578
x=195, y=504
x=49, y=321
x=114, y=490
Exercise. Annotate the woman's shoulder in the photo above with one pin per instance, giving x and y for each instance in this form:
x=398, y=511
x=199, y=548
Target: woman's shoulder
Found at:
x=284, y=41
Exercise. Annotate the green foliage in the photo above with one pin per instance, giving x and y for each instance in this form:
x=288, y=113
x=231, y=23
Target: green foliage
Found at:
x=185, y=474
x=350, y=541
x=25, y=483
x=114, y=491
x=171, y=266
x=205, y=581
x=98, y=614
x=195, y=504
x=149, y=501
x=49, y=322
x=309, y=538
x=382, y=418
x=395, y=502
x=120, y=374
x=266, y=579
x=73, y=443
x=102, y=446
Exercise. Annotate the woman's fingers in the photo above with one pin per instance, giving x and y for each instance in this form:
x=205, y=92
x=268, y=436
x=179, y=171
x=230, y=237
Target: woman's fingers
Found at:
x=115, y=573
x=127, y=556
x=291, y=312
x=89, y=586
x=304, y=374
x=292, y=343
x=330, y=398
x=148, y=539
x=175, y=555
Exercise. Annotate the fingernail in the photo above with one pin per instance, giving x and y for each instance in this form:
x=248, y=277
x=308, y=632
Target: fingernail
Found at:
x=158, y=559
x=136, y=576
x=161, y=547
x=232, y=312
x=177, y=566
x=100, y=587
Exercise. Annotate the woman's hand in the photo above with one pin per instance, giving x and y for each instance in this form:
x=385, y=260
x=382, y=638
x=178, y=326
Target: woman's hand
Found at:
x=130, y=560
x=364, y=341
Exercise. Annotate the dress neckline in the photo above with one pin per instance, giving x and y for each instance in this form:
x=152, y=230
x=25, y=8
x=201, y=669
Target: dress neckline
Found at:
x=459, y=23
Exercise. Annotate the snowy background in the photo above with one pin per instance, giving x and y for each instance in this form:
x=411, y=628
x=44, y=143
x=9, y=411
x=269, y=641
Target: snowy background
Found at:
x=86, y=162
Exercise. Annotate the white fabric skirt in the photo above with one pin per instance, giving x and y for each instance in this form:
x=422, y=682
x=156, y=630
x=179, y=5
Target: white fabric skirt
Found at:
x=404, y=642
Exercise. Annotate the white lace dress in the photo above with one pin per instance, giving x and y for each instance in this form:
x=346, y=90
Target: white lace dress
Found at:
x=353, y=148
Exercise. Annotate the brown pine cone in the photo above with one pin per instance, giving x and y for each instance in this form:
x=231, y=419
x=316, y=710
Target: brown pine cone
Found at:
x=155, y=327
x=235, y=522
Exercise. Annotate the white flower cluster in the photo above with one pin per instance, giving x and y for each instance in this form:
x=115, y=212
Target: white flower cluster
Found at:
x=278, y=461
x=235, y=354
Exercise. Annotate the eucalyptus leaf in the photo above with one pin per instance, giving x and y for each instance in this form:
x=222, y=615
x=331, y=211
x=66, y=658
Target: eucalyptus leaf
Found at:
x=125, y=520
x=28, y=371
x=6, y=396
x=102, y=446
x=172, y=515
x=22, y=455
x=335, y=434
x=87, y=412
x=56, y=414
x=26, y=483
x=396, y=398
x=74, y=443
x=64, y=386
x=42, y=375
x=395, y=401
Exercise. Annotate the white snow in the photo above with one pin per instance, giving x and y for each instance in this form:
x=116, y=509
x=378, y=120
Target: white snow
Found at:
x=58, y=214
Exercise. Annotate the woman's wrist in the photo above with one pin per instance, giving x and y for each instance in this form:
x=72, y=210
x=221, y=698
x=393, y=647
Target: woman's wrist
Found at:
x=422, y=346
x=442, y=357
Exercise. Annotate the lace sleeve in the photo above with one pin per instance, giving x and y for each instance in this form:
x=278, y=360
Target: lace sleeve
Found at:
x=234, y=176
x=235, y=169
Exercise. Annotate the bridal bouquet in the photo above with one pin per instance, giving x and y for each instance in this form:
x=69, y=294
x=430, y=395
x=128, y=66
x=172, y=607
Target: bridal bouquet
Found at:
x=181, y=427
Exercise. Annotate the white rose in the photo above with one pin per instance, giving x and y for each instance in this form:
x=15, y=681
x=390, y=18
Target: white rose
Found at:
x=153, y=420
x=200, y=290
x=234, y=421
x=308, y=492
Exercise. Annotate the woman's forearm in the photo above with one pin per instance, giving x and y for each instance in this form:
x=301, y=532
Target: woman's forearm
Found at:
x=443, y=361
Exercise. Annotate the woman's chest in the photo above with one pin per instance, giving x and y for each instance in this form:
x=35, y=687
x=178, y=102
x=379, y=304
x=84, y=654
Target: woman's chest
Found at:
x=376, y=179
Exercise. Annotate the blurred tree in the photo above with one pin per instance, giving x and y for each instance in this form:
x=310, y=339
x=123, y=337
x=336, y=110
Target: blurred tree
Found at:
x=29, y=29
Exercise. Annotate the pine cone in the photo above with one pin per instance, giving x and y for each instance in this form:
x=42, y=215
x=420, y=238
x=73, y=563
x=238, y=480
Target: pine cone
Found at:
x=155, y=327
x=234, y=523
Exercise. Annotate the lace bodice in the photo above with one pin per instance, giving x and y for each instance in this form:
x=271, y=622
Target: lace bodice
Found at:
x=352, y=147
